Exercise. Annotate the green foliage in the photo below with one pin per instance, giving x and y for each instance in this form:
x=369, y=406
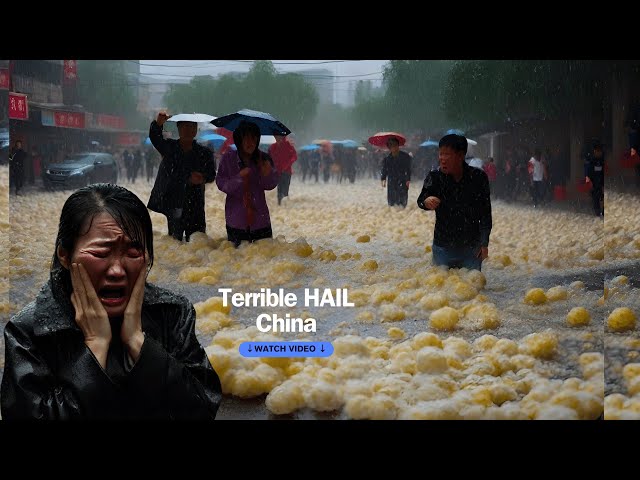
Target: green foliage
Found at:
x=413, y=99
x=504, y=90
x=288, y=97
x=103, y=87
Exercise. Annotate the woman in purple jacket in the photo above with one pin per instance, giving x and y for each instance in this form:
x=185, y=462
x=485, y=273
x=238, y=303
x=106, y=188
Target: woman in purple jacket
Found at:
x=244, y=175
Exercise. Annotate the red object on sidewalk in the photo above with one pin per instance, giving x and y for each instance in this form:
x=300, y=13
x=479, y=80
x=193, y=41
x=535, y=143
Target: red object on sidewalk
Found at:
x=559, y=193
x=584, y=186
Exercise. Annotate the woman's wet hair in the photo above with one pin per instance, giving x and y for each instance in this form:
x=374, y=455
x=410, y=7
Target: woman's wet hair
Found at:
x=247, y=128
x=457, y=143
x=83, y=205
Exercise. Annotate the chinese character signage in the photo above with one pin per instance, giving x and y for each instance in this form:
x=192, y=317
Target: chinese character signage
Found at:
x=69, y=119
x=110, y=121
x=18, y=108
x=4, y=79
x=131, y=139
x=70, y=70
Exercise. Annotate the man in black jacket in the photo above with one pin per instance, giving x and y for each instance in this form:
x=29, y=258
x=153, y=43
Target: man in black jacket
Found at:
x=17, y=162
x=459, y=194
x=397, y=167
x=178, y=192
x=594, y=173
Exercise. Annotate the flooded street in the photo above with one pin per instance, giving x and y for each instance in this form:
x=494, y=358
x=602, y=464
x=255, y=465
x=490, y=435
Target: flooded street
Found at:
x=420, y=342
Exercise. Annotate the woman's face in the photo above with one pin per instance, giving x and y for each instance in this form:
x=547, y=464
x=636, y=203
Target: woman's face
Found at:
x=249, y=143
x=112, y=261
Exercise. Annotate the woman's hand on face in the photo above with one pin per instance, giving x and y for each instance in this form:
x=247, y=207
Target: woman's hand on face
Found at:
x=265, y=168
x=131, y=330
x=91, y=316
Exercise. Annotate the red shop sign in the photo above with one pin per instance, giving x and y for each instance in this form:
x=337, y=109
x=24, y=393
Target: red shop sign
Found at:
x=18, y=107
x=4, y=79
x=70, y=70
x=69, y=119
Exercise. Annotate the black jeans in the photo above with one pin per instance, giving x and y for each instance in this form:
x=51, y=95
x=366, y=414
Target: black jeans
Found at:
x=283, y=186
x=179, y=226
x=237, y=235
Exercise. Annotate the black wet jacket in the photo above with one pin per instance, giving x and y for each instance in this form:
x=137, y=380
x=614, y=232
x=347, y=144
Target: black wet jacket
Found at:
x=51, y=374
x=594, y=169
x=172, y=188
x=398, y=169
x=463, y=218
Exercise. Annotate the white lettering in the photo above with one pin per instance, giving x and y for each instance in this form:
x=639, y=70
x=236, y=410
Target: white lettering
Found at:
x=224, y=292
x=286, y=324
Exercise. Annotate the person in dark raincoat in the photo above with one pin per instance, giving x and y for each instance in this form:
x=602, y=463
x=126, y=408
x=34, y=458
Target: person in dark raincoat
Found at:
x=99, y=342
x=178, y=192
x=460, y=196
x=244, y=175
x=17, y=161
x=594, y=173
x=397, y=168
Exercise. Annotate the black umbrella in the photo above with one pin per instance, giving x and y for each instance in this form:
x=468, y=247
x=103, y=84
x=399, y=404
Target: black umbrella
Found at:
x=268, y=124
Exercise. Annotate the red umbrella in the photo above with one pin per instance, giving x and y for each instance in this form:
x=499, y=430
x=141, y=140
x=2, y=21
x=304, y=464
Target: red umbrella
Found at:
x=380, y=138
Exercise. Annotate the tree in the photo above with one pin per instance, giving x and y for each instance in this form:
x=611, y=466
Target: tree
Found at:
x=499, y=90
x=413, y=98
x=103, y=87
x=288, y=97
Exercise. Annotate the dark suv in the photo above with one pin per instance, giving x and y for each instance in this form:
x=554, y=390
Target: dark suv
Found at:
x=81, y=169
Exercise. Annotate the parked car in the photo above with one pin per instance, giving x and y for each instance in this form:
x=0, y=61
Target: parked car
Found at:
x=4, y=146
x=80, y=169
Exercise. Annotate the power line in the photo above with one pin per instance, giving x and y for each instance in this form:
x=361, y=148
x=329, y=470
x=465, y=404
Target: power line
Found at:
x=214, y=63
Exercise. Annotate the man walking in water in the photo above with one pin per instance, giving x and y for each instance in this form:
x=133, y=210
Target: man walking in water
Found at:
x=460, y=196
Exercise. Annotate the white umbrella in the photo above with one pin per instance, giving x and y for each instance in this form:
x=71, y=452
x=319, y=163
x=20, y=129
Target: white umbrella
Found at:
x=267, y=139
x=471, y=142
x=191, y=117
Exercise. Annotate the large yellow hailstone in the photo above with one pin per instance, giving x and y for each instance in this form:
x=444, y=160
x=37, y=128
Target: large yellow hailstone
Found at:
x=213, y=304
x=302, y=249
x=285, y=398
x=434, y=301
x=631, y=371
x=425, y=339
x=435, y=279
x=483, y=316
x=557, y=293
x=578, y=316
x=396, y=333
x=485, y=342
x=444, y=318
x=431, y=360
x=464, y=291
x=502, y=260
x=620, y=280
x=535, y=296
x=365, y=316
x=622, y=318
x=392, y=313
x=370, y=265
x=377, y=407
x=540, y=344
x=327, y=256
x=475, y=278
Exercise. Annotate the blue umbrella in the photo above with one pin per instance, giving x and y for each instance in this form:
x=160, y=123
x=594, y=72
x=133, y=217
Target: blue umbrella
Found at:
x=268, y=124
x=346, y=143
x=213, y=138
x=310, y=147
x=455, y=131
x=429, y=143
